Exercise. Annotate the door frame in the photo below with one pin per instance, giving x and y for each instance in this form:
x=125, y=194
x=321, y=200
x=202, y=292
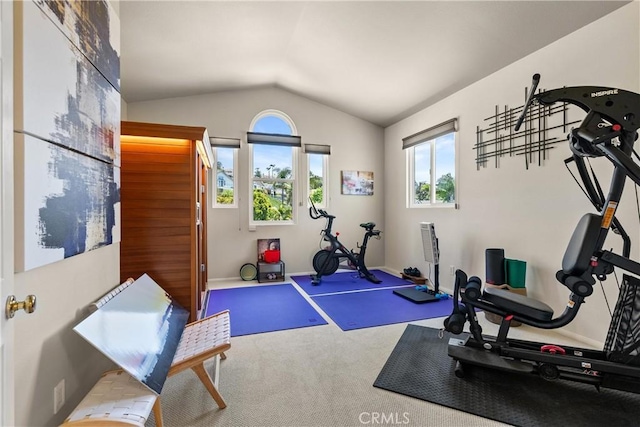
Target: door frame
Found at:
x=7, y=376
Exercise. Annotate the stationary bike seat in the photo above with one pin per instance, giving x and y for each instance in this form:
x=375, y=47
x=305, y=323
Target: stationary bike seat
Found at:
x=518, y=304
x=368, y=225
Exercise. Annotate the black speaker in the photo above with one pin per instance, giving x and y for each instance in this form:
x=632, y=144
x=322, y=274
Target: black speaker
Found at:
x=494, y=259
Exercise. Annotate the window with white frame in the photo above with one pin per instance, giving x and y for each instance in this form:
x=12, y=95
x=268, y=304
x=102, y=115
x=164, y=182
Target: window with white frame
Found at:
x=318, y=166
x=274, y=147
x=431, y=166
x=225, y=154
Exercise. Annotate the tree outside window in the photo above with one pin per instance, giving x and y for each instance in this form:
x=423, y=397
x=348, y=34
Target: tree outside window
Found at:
x=432, y=171
x=273, y=181
x=317, y=178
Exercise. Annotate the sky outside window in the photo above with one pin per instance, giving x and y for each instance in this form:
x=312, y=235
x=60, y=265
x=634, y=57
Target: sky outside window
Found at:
x=315, y=164
x=265, y=155
x=267, y=158
x=225, y=157
x=445, y=159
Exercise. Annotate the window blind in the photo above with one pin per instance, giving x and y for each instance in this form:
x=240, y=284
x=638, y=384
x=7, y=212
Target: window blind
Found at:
x=431, y=133
x=317, y=149
x=218, y=141
x=274, y=139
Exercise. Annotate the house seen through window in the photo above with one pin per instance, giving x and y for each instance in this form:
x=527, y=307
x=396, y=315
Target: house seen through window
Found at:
x=225, y=188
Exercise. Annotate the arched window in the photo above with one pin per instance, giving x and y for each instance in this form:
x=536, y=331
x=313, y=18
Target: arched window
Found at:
x=274, y=143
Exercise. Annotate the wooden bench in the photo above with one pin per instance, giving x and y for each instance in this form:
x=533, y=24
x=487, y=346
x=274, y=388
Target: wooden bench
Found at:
x=118, y=399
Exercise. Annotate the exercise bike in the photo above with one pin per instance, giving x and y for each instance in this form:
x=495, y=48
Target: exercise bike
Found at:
x=328, y=259
x=609, y=130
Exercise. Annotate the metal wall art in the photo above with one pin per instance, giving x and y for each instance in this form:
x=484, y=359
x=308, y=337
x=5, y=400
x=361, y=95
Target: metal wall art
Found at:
x=543, y=127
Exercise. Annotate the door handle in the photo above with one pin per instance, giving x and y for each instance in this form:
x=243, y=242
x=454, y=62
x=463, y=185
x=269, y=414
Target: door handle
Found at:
x=28, y=305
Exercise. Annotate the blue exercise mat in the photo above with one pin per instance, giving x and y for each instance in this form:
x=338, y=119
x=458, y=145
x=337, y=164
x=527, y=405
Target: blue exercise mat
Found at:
x=348, y=281
x=258, y=309
x=365, y=309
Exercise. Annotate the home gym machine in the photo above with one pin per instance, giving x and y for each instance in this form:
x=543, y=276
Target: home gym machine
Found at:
x=609, y=130
x=327, y=260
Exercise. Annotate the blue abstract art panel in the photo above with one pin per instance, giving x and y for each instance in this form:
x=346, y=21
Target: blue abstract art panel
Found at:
x=71, y=203
x=67, y=129
x=93, y=27
x=65, y=99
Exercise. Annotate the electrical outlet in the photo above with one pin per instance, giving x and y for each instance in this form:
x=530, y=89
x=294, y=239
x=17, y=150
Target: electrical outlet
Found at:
x=452, y=270
x=58, y=396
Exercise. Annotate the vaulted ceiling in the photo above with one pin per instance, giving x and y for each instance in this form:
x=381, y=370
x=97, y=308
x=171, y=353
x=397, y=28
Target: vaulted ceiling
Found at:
x=377, y=60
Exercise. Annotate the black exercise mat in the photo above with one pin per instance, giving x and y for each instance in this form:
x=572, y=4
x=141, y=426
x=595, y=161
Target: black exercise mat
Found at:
x=420, y=367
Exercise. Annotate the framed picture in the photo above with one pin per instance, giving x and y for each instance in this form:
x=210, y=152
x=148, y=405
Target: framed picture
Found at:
x=267, y=244
x=357, y=182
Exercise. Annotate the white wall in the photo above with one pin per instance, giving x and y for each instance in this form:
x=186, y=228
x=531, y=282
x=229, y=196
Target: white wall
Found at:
x=530, y=213
x=355, y=145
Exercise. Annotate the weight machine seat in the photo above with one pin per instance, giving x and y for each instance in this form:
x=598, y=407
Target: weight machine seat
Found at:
x=518, y=304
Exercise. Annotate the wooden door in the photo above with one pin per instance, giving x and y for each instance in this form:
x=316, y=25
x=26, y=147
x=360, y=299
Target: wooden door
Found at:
x=201, y=276
x=203, y=228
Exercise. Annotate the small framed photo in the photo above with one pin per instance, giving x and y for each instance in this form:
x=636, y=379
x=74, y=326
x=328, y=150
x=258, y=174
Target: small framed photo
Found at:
x=357, y=183
x=267, y=245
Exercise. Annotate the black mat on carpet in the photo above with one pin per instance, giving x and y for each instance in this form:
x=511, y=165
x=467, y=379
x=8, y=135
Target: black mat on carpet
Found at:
x=420, y=367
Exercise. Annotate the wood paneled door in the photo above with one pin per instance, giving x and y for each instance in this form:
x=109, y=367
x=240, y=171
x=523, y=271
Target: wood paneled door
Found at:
x=164, y=205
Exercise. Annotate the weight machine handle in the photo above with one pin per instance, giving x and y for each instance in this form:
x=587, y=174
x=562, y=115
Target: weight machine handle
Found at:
x=534, y=86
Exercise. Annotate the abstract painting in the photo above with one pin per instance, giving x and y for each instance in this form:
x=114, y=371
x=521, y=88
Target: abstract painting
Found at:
x=91, y=27
x=70, y=203
x=65, y=99
x=67, y=129
x=153, y=322
x=357, y=182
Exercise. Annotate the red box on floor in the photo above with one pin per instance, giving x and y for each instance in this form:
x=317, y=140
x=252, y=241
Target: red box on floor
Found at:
x=271, y=256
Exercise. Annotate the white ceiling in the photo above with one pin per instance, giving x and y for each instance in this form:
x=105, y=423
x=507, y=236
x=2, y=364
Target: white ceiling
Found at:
x=380, y=61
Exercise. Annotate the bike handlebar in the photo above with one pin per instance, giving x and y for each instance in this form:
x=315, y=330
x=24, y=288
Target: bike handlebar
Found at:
x=313, y=213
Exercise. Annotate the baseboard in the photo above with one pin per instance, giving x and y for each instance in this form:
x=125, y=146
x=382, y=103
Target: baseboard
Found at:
x=589, y=341
x=212, y=280
x=386, y=270
x=223, y=279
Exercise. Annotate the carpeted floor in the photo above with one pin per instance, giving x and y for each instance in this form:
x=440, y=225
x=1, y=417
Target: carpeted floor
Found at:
x=312, y=377
x=420, y=367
